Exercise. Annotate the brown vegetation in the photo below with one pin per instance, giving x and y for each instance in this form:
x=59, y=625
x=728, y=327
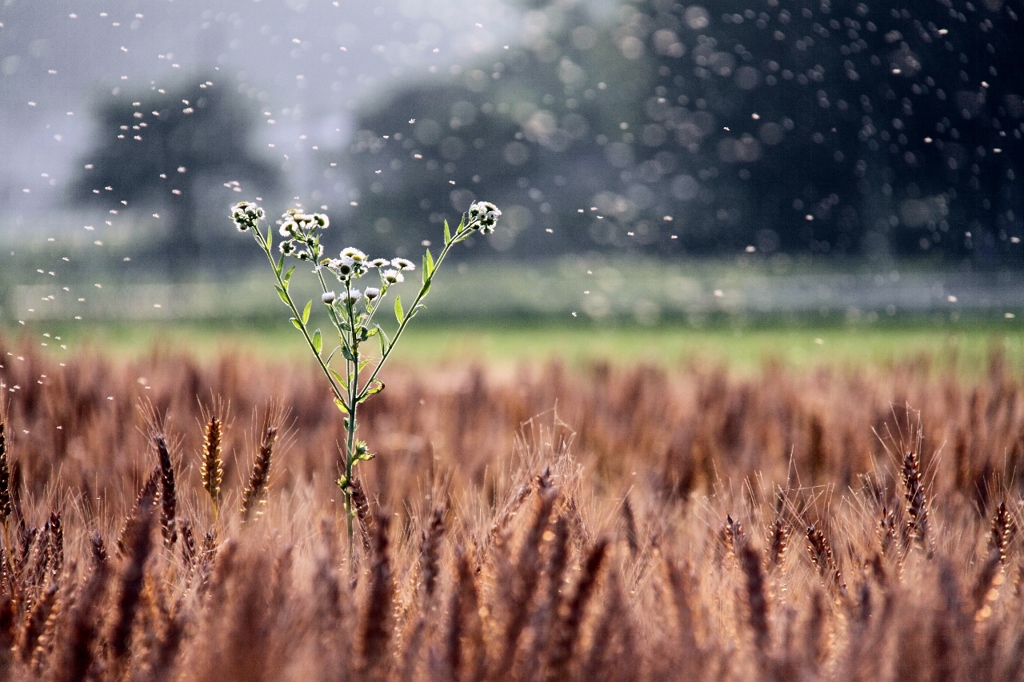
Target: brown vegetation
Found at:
x=606, y=523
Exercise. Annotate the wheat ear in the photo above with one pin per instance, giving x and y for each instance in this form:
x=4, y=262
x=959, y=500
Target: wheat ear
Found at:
x=1004, y=529
x=917, y=503
x=168, y=495
x=212, y=467
x=255, y=495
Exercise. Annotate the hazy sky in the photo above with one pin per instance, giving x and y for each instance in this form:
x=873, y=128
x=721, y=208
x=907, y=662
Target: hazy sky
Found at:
x=307, y=62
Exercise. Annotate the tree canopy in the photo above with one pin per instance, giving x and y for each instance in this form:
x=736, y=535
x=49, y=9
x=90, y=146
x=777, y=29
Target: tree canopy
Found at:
x=171, y=149
x=814, y=126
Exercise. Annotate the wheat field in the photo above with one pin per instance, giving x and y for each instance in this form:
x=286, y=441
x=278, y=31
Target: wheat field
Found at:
x=599, y=523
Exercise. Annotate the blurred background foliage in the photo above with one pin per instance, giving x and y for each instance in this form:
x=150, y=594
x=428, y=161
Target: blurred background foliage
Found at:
x=653, y=127
x=842, y=145
x=823, y=127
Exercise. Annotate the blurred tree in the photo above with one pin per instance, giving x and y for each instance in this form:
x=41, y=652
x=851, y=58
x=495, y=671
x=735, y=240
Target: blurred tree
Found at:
x=822, y=126
x=170, y=149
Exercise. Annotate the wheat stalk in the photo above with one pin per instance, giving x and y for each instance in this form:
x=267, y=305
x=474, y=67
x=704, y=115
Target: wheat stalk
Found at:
x=255, y=494
x=1003, y=531
x=5, y=479
x=375, y=628
x=168, y=494
x=568, y=633
x=778, y=542
x=917, y=503
x=130, y=585
x=823, y=558
x=212, y=466
x=76, y=655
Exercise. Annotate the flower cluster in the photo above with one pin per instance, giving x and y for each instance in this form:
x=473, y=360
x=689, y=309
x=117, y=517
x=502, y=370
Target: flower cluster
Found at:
x=483, y=216
x=353, y=264
x=246, y=215
x=300, y=232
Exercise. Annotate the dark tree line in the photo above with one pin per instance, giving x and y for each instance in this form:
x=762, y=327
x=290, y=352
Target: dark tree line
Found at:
x=172, y=150
x=833, y=127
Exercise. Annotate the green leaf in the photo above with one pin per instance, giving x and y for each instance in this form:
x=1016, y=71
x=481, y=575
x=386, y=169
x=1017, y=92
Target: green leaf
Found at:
x=428, y=261
x=341, y=406
x=305, y=312
x=318, y=342
x=346, y=352
x=447, y=233
x=296, y=323
x=288, y=276
x=399, y=313
x=376, y=387
x=342, y=482
x=283, y=296
x=340, y=379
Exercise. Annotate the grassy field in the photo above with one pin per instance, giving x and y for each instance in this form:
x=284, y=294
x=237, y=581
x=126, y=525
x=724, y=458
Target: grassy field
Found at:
x=745, y=348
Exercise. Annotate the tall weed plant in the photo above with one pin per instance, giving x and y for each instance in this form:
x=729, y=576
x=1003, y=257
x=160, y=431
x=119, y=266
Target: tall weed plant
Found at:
x=351, y=307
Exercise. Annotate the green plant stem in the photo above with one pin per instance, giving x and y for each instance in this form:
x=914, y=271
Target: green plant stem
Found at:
x=353, y=391
x=266, y=244
x=412, y=312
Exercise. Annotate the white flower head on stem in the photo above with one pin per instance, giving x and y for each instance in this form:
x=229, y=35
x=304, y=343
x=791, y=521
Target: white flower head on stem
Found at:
x=380, y=262
x=246, y=214
x=483, y=216
x=353, y=253
x=371, y=293
x=328, y=297
x=352, y=295
x=345, y=268
x=402, y=264
x=392, y=276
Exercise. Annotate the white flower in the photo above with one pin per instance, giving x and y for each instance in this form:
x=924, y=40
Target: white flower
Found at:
x=402, y=264
x=246, y=214
x=328, y=297
x=371, y=293
x=353, y=253
x=344, y=268
x=392, y=276
x=380, y=262
x=352, y=295
x=483, y=216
